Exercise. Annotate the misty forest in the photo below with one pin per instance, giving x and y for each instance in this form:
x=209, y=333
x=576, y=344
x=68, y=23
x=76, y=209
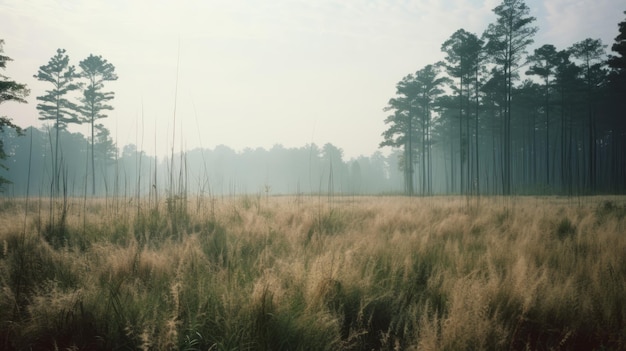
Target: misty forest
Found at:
x=496, y=116
x=491, y=218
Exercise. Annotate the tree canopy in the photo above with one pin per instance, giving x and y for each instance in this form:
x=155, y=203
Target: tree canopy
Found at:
x=10, y=91
x=555, y=126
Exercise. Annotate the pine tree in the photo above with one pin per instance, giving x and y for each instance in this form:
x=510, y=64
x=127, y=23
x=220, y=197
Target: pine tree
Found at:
x=94, y=101
x=507, y=40
x=54, y=105
x=9, y=91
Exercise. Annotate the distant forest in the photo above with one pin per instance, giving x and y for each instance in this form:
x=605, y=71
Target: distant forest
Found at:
x=221, y=171
x=494, y=117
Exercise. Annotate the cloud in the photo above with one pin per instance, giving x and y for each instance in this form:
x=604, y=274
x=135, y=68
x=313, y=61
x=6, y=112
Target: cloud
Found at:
x=570, y=21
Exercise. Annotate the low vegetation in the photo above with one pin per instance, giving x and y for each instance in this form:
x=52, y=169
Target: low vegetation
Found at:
x=314, y=273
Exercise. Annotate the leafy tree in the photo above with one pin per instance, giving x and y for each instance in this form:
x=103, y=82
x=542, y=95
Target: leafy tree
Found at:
x=544, y=62
x=9, y=91
x=54, y=104
x=507, y=40
x=94, y=101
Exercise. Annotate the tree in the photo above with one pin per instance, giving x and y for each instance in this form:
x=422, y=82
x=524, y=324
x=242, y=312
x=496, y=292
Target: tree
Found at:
x=544, y=62
x=94, y=101
x=591, y=52
x=402, y=127
x=528, y=106
x=9, y=91
x=428, y=83
x=507, y=40
x=566, y=85
x=494, y=101
x=463, y=60
x=106, y=150
x=333, y=157
x=54, y=104
x=617, y=89
x=410, y=124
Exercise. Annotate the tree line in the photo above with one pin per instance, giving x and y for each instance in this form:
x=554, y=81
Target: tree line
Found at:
x=130, y=172
x=492, y=118
x=51, y=159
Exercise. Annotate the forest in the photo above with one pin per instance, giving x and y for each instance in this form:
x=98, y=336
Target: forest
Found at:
x=494, y=118
x=499, y=115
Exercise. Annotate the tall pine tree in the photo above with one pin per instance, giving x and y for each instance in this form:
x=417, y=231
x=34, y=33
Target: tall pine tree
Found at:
x=507, y=40
x=94, y=101
x=54, y=105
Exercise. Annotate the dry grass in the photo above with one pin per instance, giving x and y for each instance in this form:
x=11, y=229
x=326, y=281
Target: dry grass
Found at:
x=287, y=273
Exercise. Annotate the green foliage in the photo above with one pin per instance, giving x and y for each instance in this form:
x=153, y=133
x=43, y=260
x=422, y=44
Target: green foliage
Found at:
x=9, y=91
x=54, y=105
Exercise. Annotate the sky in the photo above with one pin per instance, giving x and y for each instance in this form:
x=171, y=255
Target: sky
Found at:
x=253, y=73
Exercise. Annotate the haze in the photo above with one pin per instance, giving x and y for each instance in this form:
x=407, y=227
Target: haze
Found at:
x=254, y=73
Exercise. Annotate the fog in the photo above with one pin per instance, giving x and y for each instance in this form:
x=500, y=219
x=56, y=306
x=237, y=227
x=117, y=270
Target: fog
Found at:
x=296, y=98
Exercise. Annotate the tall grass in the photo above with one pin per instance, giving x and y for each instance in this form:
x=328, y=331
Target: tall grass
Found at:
x=286, y=273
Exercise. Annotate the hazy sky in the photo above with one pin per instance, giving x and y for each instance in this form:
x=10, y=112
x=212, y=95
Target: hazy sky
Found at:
x=256, y=73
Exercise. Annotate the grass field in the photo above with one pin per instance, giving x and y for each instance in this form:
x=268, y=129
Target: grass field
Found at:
x=314, y=273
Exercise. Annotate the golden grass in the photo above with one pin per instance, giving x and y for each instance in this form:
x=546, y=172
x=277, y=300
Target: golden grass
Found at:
x=298, y=273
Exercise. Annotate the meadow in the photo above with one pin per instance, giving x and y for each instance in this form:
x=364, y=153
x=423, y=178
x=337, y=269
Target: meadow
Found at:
x=313, y=273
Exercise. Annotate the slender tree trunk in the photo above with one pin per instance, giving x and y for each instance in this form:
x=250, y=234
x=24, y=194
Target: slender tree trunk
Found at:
x=563, y=174
x=592, y=149
x=547, y=134
x=507, y=127
x=409, y=162
x=452, y=178
x=461, y=143
x=468, y=165
x=423, y=158
x=430, y=156
x=55, y=172
x=476, y=135
x=93, y=164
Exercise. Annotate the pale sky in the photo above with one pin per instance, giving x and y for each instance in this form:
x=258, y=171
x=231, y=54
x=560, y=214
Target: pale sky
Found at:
x=257, y=73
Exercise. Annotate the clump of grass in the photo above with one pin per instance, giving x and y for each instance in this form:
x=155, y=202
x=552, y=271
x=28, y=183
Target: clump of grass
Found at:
x=609, y=208
x=565, y=229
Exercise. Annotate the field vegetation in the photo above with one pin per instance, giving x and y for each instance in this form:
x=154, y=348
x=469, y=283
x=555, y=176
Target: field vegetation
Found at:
x=313, y=273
